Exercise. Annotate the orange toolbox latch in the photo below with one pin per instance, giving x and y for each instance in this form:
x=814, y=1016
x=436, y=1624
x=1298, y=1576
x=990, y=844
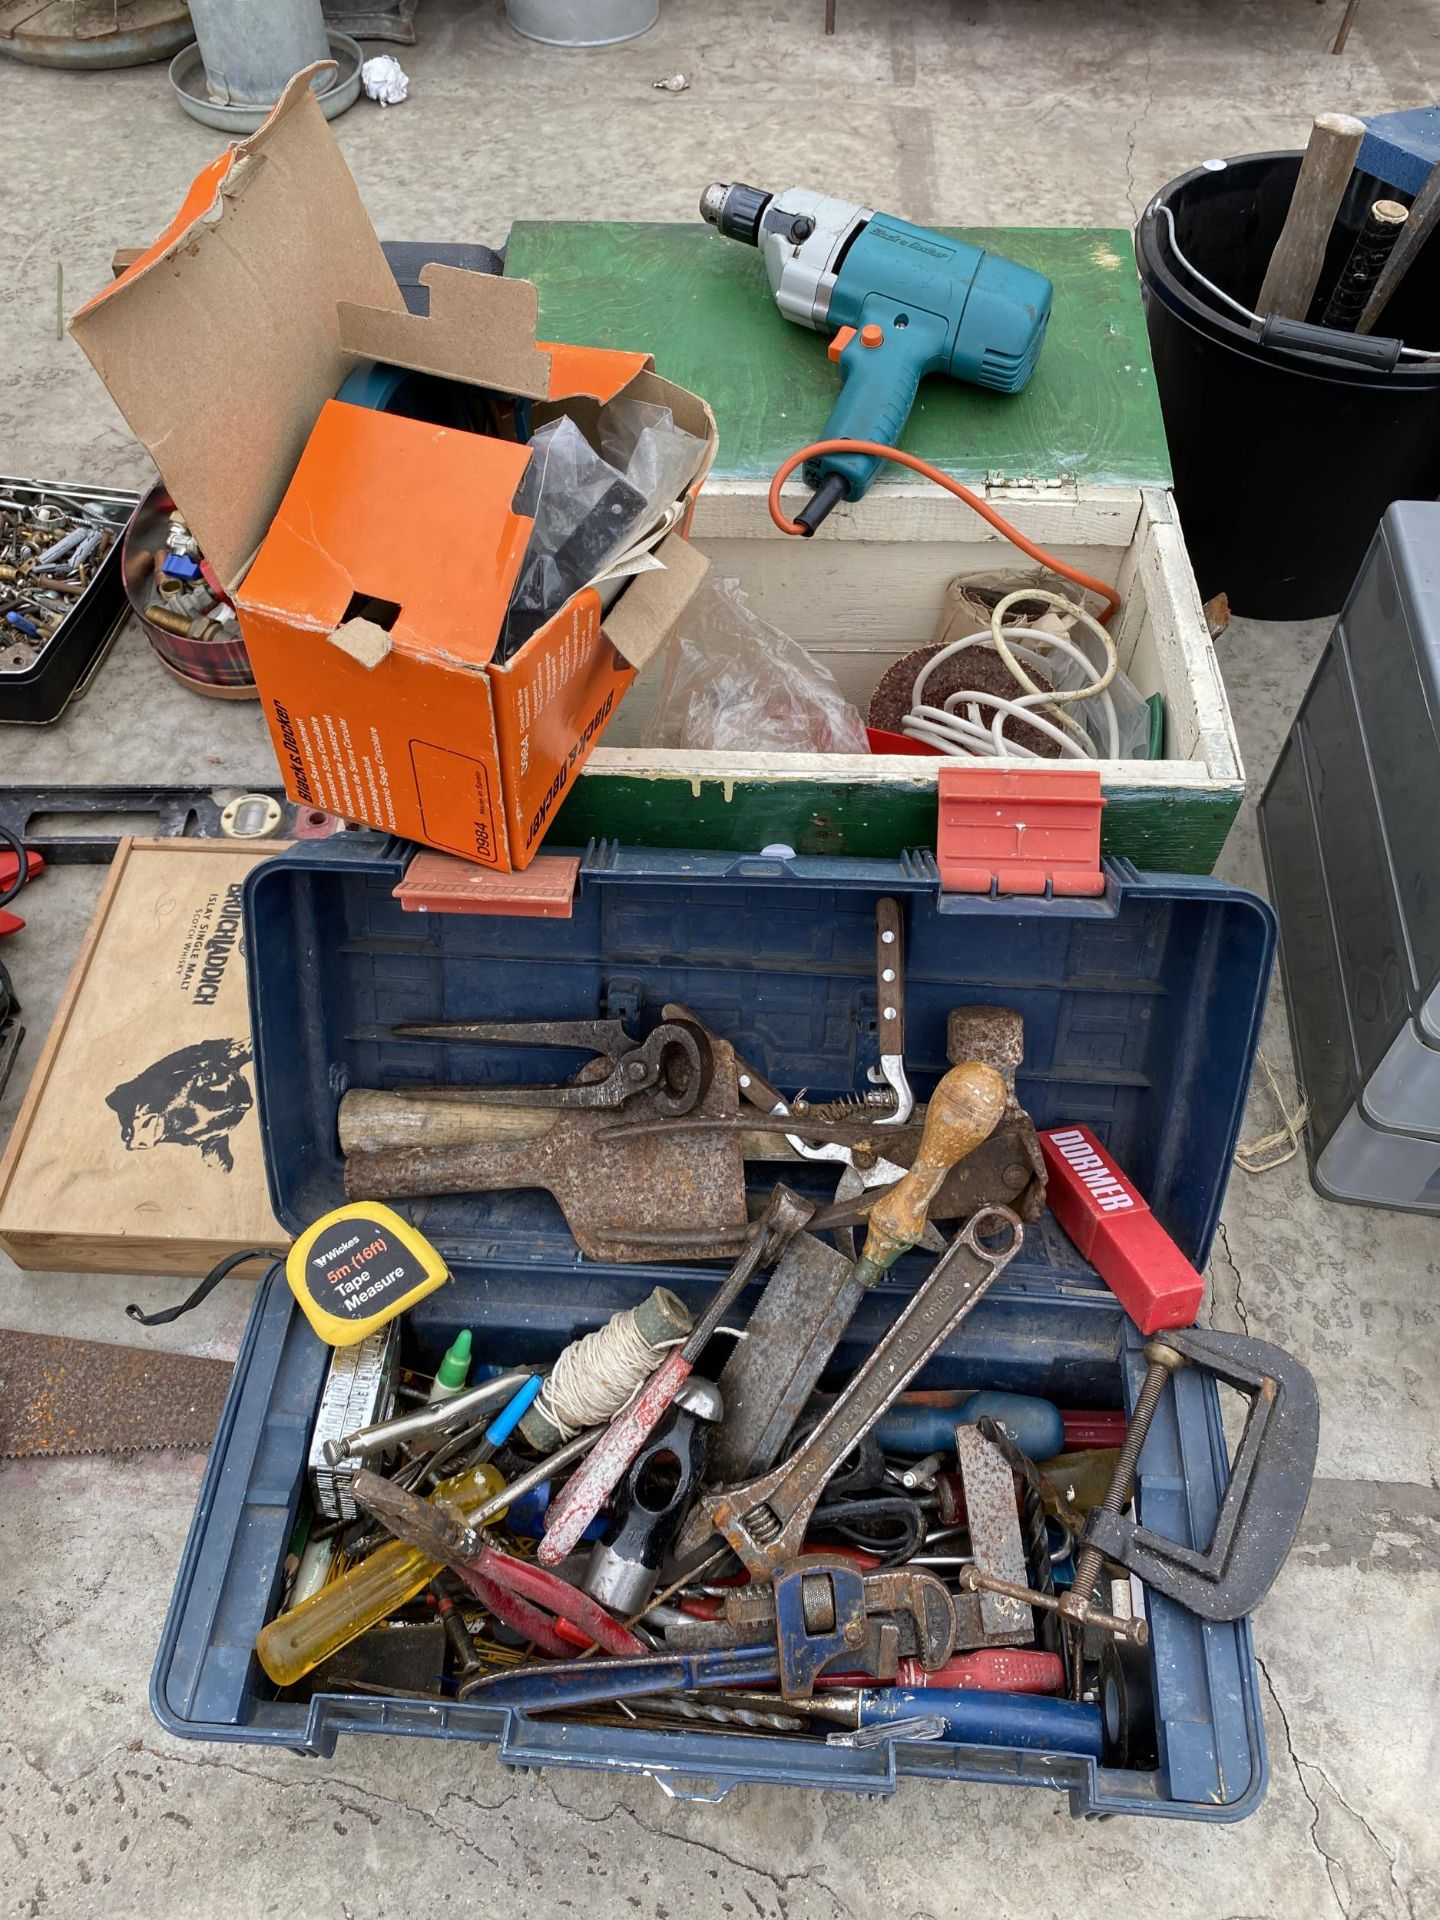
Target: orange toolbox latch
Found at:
x=1019, y=830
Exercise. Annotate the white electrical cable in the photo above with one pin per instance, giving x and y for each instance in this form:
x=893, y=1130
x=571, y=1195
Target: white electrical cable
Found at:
x=966, y=736
x=963, y=738
x=958, y=734
x=1059, y=698
x=594, y=1377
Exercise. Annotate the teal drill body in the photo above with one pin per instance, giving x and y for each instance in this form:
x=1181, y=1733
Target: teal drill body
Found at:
x=906, y=301
x=942, y=306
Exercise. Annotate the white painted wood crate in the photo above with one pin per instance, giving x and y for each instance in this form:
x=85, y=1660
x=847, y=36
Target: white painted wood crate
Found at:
x=868, y=589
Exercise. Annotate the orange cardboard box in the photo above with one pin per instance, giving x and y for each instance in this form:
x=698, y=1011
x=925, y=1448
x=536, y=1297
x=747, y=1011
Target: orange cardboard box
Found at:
x=372, y=557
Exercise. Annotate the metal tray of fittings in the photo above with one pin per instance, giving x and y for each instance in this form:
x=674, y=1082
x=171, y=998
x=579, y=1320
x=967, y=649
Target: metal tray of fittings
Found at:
x=41, y=673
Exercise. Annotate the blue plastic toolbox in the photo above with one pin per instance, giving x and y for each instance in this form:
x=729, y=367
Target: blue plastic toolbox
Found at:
x=1142, y=1010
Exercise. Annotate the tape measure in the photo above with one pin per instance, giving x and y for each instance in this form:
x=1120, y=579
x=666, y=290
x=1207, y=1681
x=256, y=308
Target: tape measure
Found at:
x=359, y=1267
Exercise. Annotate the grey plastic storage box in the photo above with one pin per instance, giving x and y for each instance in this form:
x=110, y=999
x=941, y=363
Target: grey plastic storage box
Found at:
x=1348, y=827
x=1141, y=1010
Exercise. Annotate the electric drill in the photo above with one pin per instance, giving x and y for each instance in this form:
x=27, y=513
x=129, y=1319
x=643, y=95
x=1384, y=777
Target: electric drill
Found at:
x=901, y=302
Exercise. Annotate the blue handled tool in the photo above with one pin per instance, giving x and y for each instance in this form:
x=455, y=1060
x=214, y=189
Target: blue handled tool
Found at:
x=974, y=1718
x=1035, y=1425
x=971, y=1717
x=901, y=302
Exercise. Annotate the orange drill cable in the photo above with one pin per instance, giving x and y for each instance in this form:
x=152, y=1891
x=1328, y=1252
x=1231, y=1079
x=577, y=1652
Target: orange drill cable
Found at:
x=961, y=492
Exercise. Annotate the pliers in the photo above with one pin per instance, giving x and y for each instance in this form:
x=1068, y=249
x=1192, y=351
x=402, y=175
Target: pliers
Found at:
x=524, y=1596
x=674, y=1061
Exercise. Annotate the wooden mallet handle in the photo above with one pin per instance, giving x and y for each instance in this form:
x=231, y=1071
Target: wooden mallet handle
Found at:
x=1294, y=269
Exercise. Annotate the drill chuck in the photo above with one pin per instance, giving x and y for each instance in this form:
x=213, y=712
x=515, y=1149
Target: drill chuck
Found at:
x=736, y=211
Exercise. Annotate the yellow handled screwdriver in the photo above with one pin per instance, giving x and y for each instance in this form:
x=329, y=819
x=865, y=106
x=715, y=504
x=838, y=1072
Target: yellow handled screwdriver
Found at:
x=295, y=1642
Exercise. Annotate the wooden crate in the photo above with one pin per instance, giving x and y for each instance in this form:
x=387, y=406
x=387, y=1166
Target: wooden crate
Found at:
x=869, y=588
x=137, y=1148
x=1088, y=477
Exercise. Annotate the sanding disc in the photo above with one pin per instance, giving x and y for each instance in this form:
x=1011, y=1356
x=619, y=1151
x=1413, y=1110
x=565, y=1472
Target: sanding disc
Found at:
x=978, y=668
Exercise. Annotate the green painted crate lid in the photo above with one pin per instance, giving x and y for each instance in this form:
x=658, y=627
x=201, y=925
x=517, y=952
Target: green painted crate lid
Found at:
x=702, y=306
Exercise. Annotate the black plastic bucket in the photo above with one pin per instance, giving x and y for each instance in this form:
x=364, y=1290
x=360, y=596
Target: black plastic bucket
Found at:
x=1284, y=460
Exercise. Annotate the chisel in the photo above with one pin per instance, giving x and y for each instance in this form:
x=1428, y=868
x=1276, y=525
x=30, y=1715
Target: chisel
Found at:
x=972, y=1717
x=1421, y=223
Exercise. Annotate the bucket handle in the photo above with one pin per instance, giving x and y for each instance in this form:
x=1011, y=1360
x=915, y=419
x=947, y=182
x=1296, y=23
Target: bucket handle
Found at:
x=1365, y=349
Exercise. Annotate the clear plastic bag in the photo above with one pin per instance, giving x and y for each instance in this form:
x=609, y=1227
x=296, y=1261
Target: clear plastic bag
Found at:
x=588, y=509
x=734, y=683
x=582, y=509
x=642, y=440
x=1132, y=709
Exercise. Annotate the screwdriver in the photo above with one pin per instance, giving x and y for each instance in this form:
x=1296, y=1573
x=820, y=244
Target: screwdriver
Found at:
x=971, y=1716
x=295, y=1642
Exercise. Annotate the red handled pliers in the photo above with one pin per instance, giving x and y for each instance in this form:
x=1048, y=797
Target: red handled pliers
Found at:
x=526, y=1597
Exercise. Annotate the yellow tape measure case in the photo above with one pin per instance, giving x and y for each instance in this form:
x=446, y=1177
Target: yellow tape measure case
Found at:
x=357, y=1268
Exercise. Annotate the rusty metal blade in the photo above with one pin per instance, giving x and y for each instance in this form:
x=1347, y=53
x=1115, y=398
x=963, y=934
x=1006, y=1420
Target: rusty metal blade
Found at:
x=60, y=1396
x=426, y=1524
x=605, y=1188
x=998, y=1547
x=806, y=1306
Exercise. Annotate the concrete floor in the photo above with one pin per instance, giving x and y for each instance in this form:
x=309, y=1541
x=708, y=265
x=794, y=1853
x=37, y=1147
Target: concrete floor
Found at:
x=1015, y=111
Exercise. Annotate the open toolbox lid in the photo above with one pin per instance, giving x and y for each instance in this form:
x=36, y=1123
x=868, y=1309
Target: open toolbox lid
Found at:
x=1141, y=1010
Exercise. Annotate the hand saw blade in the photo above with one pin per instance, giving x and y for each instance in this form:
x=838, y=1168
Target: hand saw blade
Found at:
x=60, y=1397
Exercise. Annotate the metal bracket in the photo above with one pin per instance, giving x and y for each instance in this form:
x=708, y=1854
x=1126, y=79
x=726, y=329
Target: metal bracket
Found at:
x=1265, y=1496
x=1055, y=485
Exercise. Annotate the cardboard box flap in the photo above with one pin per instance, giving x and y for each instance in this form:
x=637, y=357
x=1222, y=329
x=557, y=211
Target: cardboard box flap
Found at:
x=480, y=329
x=640, y=621
x=600, y=372
x=394, y=532
x=222, y=343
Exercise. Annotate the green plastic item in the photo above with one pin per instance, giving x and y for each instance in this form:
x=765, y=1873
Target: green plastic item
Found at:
x=1156, y=704
x=454, y=1369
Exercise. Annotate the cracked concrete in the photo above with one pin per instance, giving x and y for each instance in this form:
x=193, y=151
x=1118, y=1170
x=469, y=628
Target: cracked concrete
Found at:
x=999, y=111
x=1360, y=1882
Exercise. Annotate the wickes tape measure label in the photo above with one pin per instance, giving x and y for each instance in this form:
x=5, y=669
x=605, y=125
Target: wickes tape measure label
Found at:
x=357, y=1268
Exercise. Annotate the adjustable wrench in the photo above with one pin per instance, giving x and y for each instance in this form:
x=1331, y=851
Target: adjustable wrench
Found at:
x=592, y=1484
x=765, y=1519
x=808, y=1304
